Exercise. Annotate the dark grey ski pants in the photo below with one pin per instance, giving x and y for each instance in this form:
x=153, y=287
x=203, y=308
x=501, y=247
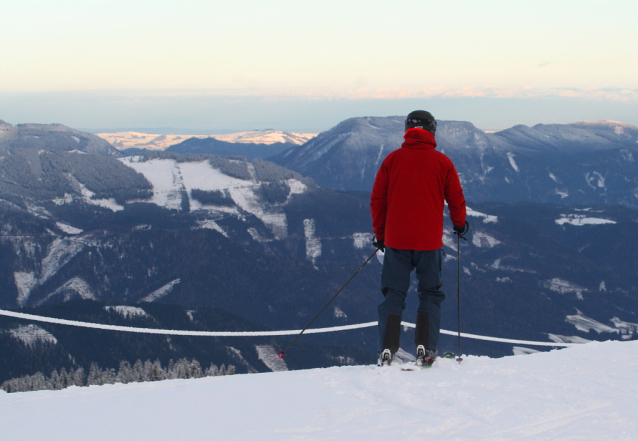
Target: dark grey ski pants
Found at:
x=395, y=282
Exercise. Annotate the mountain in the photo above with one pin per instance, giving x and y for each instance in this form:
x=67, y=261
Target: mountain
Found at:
x=161, y=140
x=573, y=164
x=214, y=146
x=52, y=137
x=267, y=244
x=267, y=136
x=587, y=392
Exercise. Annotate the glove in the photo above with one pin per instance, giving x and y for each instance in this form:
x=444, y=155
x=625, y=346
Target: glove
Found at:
x=379, y=244
x=462, y=231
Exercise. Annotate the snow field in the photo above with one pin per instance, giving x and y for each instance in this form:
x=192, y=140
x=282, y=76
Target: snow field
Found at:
x=584, y=392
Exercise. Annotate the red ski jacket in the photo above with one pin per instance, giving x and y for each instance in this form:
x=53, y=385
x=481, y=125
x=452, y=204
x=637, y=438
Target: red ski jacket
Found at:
x=409, y=191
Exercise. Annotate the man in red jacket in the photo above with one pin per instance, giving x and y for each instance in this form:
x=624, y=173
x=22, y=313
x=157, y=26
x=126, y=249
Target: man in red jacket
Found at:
x=407, y=206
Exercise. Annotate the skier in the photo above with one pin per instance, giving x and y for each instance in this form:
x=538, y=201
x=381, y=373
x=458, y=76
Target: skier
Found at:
x=407, y=204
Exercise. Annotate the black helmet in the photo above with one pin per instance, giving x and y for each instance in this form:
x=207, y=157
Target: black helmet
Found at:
x=421, y=119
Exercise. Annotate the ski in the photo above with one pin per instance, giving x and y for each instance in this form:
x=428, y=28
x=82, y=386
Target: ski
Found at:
x=426, y=364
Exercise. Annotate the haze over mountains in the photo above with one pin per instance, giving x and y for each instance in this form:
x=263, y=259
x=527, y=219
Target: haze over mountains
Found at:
x=270, y=246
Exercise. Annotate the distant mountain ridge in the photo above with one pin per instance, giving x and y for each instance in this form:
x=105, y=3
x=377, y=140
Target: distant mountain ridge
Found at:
x=581, y=163
x=53, y=137
x=124, y=141
x=213, y=146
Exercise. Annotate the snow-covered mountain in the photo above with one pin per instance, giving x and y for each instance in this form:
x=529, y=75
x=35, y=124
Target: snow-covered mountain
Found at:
x=52, y=137
x=269, y=245
x=586, y=392
x=156, y=141
x=267, y=136
x=582, y=163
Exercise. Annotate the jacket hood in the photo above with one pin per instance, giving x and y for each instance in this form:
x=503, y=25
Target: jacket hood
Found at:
x=419, y=139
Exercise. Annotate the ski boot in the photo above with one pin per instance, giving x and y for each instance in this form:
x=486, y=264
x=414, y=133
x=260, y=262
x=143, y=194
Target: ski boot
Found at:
x=385, y=358
x=425, y=357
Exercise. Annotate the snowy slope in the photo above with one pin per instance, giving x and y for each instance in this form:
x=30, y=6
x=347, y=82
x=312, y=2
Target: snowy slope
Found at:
x=552, y=395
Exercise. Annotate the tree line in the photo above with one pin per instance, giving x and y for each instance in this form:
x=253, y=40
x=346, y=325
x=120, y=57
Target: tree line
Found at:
x=127, y=373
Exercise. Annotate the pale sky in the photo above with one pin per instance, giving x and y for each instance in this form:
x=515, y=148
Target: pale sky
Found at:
x=221, y=64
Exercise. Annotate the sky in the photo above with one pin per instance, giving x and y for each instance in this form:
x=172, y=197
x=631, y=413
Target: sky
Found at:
x=307, y=65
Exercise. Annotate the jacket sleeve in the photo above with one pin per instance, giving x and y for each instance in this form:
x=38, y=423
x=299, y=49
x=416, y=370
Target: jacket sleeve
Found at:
x=454, y=197
x=378, y=202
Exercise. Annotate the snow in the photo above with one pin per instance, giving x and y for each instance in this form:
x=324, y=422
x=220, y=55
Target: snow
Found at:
x=486, y=217
x=296, y=187
x=270, y=358
x=165, y=177
x=74, y=285
x=362, y=240
x=128, y=311
x=162, y=292
x=60, y=252
x=171, y=180
x=579, y=220
x=585, y=324
x=518, y=350
x=67, y=199
x=313, y=245
x=562, y=286
x=30, y=335
x=511, y=156
x=594, y=180
x=25, y=282
x=68, y=228
x=547, y=395
x=484, y=240
x=212, y=225
x=88, y=197
x=266, y=137
x=567, y=338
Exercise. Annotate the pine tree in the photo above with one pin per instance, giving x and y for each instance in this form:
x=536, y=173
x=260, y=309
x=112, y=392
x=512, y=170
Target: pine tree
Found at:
x=95, y=375
x=212, y=371
x=78, y=377
x=196, y=369
x=138, y=371
x=125, y=373
x=157, y=373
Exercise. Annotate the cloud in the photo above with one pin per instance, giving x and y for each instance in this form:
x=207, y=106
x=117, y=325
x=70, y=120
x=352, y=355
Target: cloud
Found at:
x=544, y=63
x=280, y=94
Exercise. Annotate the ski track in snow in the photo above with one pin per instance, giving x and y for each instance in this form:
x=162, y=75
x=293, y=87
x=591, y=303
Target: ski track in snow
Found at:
x=540, y=396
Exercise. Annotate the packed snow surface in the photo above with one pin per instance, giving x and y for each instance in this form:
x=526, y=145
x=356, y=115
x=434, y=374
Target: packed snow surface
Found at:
x=560, y=394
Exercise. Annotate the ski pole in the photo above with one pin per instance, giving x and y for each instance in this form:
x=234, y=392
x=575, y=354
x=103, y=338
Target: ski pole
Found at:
x=330, y=301
x=459, y=235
